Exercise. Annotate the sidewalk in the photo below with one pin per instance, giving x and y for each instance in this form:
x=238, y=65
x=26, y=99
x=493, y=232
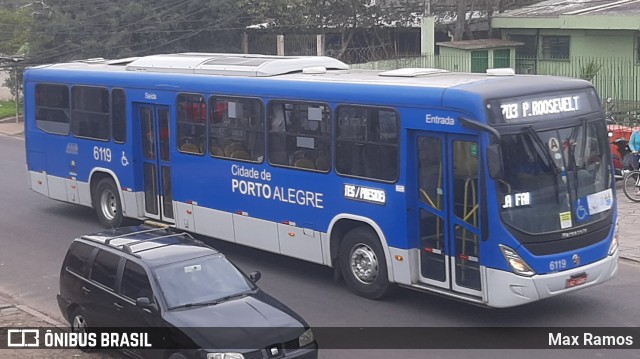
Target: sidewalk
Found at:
x=14, y=315
x=9, y=126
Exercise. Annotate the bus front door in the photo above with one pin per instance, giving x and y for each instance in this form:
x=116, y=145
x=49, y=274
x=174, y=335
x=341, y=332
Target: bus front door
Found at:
x=449, y=212
x=156, y=165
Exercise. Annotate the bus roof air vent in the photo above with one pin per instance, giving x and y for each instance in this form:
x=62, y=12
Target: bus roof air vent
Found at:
x=412, y=72
x=501, y=72
x=95, y=60
x=233, y=64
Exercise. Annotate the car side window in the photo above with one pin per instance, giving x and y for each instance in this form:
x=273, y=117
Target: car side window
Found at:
x=135, y=282
x=104, y=269
x=78, y=258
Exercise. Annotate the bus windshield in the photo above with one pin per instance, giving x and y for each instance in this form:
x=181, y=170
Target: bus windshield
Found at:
x=555, y=179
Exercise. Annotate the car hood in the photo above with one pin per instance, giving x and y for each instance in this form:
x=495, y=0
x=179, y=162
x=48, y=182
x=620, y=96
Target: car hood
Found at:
x=252, y=322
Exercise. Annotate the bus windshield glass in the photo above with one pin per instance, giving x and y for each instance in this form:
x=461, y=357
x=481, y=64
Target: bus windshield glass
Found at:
x=555, y=179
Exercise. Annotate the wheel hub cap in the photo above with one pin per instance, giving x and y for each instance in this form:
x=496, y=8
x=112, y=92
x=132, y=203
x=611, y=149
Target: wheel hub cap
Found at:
x=364, y=263
x=108, y=204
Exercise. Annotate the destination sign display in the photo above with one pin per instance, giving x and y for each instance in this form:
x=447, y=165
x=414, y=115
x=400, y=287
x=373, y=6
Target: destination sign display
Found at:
x=542, y=107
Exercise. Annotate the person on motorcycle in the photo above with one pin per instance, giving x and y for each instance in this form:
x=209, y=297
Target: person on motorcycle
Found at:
x=634, y=146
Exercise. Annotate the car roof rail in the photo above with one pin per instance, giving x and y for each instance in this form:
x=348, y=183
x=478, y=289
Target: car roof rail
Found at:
x=155, y=227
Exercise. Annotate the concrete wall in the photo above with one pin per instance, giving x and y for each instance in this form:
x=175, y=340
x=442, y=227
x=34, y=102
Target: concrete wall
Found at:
x=5, y=93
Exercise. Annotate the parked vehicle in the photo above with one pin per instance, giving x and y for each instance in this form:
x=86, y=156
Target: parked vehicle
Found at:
x=619, y=136
x=149, y=277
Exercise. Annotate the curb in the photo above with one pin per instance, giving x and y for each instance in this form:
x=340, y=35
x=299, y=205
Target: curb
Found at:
x=41, y=316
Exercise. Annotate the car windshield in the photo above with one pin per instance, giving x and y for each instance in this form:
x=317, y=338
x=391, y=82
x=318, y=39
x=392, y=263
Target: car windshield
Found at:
x=555, y=179
x=204, y=280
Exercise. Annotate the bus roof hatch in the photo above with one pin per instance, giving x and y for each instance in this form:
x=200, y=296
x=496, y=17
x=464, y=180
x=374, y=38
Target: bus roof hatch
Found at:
x=232, y=64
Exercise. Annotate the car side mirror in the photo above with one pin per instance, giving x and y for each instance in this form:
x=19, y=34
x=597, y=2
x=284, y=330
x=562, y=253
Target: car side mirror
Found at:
x=255, y=276
x=145, y=303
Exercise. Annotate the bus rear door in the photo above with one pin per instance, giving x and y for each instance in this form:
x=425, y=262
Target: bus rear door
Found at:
x=448, y=212
x=156, y=165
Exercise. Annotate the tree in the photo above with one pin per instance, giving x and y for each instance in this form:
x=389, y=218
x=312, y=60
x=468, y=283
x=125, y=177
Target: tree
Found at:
x=75, y=29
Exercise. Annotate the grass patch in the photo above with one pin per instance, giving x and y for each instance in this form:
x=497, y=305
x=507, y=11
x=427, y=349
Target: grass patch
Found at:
x=7, y=109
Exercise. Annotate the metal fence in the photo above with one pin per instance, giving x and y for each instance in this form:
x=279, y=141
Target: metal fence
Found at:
x=615, y=78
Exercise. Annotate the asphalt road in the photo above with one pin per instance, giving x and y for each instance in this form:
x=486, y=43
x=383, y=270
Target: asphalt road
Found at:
x=35, y=233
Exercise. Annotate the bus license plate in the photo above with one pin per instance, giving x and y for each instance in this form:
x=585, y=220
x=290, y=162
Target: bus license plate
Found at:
x=576, y=280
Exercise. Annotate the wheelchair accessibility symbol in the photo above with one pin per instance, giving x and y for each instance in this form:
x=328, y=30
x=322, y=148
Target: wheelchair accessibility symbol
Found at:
x=124, y=160
x=582, y=213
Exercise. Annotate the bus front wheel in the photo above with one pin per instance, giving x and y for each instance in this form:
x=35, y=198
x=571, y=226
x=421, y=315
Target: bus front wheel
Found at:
x=363, y=264
x=107, y=204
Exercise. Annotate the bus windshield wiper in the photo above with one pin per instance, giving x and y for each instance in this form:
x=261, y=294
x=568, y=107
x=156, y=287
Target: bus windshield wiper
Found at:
x=534, y=136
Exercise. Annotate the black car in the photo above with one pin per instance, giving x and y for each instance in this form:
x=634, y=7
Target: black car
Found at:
x=150, y=277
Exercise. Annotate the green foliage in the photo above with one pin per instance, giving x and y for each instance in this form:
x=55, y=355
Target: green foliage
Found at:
x=7, y=109
x=14, y=30
x=74, y=29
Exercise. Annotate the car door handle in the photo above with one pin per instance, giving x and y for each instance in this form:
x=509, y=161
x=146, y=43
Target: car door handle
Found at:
x=86, y=290
x=118, y=305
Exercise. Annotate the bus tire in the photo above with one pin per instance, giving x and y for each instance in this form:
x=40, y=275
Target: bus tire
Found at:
x=107, y=204
x=363, y=263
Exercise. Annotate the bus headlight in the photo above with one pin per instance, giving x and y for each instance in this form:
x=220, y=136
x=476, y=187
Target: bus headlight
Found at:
x=306, y=338
x=517, y=264
x=614, y=241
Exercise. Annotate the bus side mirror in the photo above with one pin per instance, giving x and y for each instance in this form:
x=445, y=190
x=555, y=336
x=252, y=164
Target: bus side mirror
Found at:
x=494, y=159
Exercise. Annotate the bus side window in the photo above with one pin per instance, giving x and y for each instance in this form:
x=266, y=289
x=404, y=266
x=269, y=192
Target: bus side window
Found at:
x=191, y=127
x=367, y=142
x=52, y=108
x=299, y=135
x=236, y=129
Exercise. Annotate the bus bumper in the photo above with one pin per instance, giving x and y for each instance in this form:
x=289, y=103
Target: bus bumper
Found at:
x=506, y=289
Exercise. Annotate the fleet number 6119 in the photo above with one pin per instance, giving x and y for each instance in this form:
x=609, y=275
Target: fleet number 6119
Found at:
x=101, y=154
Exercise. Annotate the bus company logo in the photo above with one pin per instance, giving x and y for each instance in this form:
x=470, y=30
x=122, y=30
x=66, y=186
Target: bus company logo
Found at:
x=366, y=194
x=150, y=96
x=578, y=232
x=72, y=148
x=23, y=338
x=575, y=259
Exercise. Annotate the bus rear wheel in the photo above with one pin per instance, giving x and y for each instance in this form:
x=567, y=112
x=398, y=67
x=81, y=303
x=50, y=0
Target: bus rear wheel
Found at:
x=363, y=263
x=107, y=204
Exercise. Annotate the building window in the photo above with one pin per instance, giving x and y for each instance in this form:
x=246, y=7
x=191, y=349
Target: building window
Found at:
x=191, y=132
x=52, y=108
x=527, y=51
x=236, y=129
x=555, y=47
x=299, y=135
x=367, y=142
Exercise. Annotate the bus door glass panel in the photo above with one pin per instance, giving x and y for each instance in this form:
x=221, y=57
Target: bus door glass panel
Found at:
x=165, y=181
x=432, y=229
x=465, y=215
x=155, y=148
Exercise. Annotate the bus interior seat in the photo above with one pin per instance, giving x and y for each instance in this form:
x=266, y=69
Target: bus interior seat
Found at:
x=305, y=163
x=189, y=147
x=233, y=147
x=217, y=151
x=278, y=158
x=323, y=163
x=241, y=155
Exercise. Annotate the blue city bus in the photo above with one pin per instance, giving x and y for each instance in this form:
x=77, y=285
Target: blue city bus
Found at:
x=492, y=188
